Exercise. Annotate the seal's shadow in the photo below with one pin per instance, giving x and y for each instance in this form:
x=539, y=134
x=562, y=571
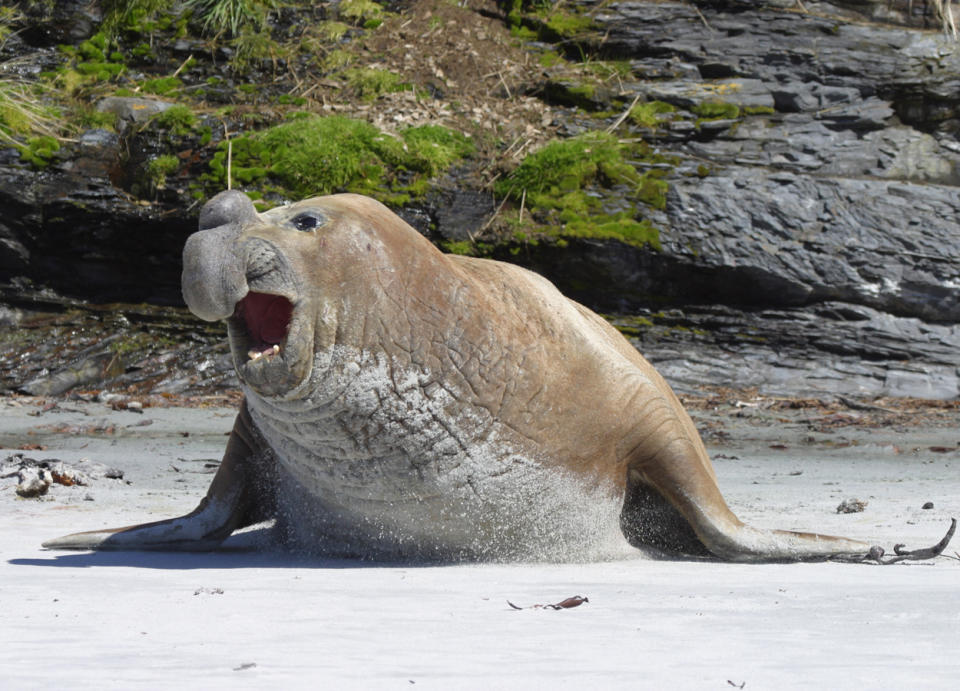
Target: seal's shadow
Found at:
x=251, y=549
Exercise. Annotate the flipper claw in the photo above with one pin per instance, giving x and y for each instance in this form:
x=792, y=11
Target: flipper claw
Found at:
x=918, y=554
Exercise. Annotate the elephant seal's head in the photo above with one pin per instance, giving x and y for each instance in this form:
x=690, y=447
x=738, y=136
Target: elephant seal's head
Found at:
x=285, y=279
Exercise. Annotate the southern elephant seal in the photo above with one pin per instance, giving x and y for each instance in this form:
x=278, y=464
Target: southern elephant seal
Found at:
x=404, y=402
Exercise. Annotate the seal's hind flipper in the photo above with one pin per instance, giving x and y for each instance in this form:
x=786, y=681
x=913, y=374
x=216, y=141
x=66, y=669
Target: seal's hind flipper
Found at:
x=241, y=494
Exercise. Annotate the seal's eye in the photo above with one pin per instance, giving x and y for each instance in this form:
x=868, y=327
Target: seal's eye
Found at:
x=307, y=221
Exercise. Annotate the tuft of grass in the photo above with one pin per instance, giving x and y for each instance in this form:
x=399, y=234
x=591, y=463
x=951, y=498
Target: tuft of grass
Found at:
x=610, y=69
x=25, y=116
x=372, y=83
x=650, y=114
x=178, y=119
x=251, y=46
x=157, y=169
x=22, y=112
x=336, y=59
x=231, y=16
x=331, y=30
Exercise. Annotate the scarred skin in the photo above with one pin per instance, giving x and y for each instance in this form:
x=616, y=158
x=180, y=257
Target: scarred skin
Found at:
x=424, y=404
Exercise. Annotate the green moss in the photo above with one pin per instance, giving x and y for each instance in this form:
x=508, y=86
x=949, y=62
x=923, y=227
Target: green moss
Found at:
x=652, y=189
x=586, y=95
x=562, y=185
x=537, y=19
x=133, y=15
x=650, y=114
x=291, y=100
x=634, y=326
x=157, y=169
x=640, y=233
x=178, y=119
x=461, y=247
x=359, y=11
x=39, y=151
x=523, y=33
x=716, y=110
x=567, y=166
x=161, y=86
x=432, y=148
x=582, y=93
x=565, y=25
x=143, y=51
x=515, y=13
x=549, y=58
x=371, y=83
x=758, y=110
x=94, y=60
x=319, y=155
x=101, y=71
x=94, y=48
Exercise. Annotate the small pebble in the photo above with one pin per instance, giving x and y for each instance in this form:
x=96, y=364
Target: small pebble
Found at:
x=851, y=505
x=928, y=505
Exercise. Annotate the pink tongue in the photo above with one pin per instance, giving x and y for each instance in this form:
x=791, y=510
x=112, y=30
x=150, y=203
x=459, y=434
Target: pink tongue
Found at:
x=267, y=318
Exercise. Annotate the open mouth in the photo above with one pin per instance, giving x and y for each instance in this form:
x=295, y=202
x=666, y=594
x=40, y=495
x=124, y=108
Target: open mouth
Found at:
x=267, y=320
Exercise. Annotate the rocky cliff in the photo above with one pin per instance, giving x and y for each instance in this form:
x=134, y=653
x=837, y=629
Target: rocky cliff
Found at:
x=775, y=208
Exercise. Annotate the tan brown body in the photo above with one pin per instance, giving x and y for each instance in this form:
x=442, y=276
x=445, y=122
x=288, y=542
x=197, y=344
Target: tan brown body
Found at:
x=400, y=401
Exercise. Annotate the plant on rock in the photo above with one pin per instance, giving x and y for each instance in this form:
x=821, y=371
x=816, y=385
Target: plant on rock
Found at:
x=315, y=155
x=586, y=186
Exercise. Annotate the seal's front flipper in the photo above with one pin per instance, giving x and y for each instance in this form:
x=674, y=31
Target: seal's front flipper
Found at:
x=202, y=529
x=241, y=494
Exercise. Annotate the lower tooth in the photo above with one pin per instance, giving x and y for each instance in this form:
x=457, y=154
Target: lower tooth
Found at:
x=257, y=354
